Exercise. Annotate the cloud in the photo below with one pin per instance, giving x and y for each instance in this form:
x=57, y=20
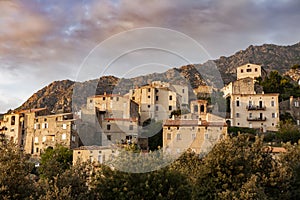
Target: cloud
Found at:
x=47, y=40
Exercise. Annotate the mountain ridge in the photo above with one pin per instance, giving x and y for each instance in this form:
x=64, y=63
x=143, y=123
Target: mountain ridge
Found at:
x=57, y=96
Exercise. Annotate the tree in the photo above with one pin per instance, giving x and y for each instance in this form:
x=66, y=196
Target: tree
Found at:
x=160, y=184
x=16, y=182
x=288, y=132
x=237, y=168
x=55, y=161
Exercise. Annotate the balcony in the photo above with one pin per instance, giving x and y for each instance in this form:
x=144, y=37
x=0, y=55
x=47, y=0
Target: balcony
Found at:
x=257, y=119
x=253, y=107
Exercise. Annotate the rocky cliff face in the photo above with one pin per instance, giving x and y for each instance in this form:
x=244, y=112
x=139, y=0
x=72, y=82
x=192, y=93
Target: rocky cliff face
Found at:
x=58, y=95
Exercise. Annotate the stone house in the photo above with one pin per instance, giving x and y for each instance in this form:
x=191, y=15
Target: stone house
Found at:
x=94, y=154
x=198, y=133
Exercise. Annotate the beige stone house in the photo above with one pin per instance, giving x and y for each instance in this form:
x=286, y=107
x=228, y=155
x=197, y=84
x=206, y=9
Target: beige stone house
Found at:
x=157, y=100
x=94, y=154
x=116, y=115
x=198, y=133
x=248, y=106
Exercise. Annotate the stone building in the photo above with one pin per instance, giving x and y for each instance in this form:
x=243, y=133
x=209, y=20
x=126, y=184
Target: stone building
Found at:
x=157, y=100
x=198, y=134
x=248, y=105
x=260, y=111
x=249, y=70
x=36, y=129
x=94, y=154
x=114, y=117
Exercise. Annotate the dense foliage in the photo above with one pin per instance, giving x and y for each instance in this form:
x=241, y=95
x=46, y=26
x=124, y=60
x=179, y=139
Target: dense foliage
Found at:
x=236, y=168
x=275, y=83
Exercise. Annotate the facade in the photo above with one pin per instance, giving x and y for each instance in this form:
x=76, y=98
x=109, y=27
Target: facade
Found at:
x=117, y=117
x=157, y=100
x=34, y=130
x=198, y=134
x=248, y=105
x=260, y=111
x=94, y=154
x=249, y=70
x=50, y=130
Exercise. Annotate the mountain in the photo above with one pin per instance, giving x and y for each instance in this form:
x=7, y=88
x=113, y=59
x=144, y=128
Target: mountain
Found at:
x=59, y=94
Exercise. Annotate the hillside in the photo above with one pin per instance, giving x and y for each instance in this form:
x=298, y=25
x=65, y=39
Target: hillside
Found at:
x=58, y=95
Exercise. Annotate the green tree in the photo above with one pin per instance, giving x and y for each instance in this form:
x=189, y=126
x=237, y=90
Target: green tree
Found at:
x=55, y=161
x=288, y=132
x=16, y=182
x=237, y=168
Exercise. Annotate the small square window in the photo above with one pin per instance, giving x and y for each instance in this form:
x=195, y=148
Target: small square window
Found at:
x=108, y=137
x=103, y=98
x=178, y=136
x=170, y=107
x=170, y=97
x=148, y=96
x=169, y=136
x=108, y=127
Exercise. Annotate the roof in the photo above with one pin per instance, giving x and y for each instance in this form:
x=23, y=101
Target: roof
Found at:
x=31, y=110
x=276, y=149
x=192, y=122
x=121, y=119
x=94, y=147
x=106, y=95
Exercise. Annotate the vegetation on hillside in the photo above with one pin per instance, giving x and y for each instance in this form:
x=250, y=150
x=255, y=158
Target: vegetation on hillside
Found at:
x=236, y=168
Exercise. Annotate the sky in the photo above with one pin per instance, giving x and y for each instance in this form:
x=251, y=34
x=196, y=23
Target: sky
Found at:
x=46, y=40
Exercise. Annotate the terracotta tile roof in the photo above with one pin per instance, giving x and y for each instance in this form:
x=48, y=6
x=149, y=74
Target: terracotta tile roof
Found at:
x=121, y=119
x=192, y=122
x=276, y=149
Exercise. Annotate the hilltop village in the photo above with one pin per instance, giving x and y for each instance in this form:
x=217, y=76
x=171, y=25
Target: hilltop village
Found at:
x=109, y=121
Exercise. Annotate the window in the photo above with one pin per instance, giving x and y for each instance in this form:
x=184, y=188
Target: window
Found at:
x=169, y=137
x=131, y=127
x=255, y=69
x=250, y=115
x=108, y=127
x=64, y=126
x=37, y=150
x=91, y=100
x=273, y=115
x=108, y=137
x=64, y=136
x=170, y=107
x=237, y=103
x=156, y=98
x=149, y=89
x=111, y=98
x=195, y=109
x=148, y=106
x=156, y=108
x=272, y=103
x=103, y=98
x=133, y=98
x=45, y=119
x=148, y=96
x=117, y=98
x=45, y=125
x=182, y=90
x=13, y=120
x=237, y=115
x=249, y=70
x=206, y=136
x=178, y=136
x=242, y=70
x=170, y=97
x=193, y=136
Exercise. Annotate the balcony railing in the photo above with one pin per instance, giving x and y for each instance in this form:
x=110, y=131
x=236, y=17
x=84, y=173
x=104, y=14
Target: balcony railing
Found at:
x=253, y=107
x=257, y=119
